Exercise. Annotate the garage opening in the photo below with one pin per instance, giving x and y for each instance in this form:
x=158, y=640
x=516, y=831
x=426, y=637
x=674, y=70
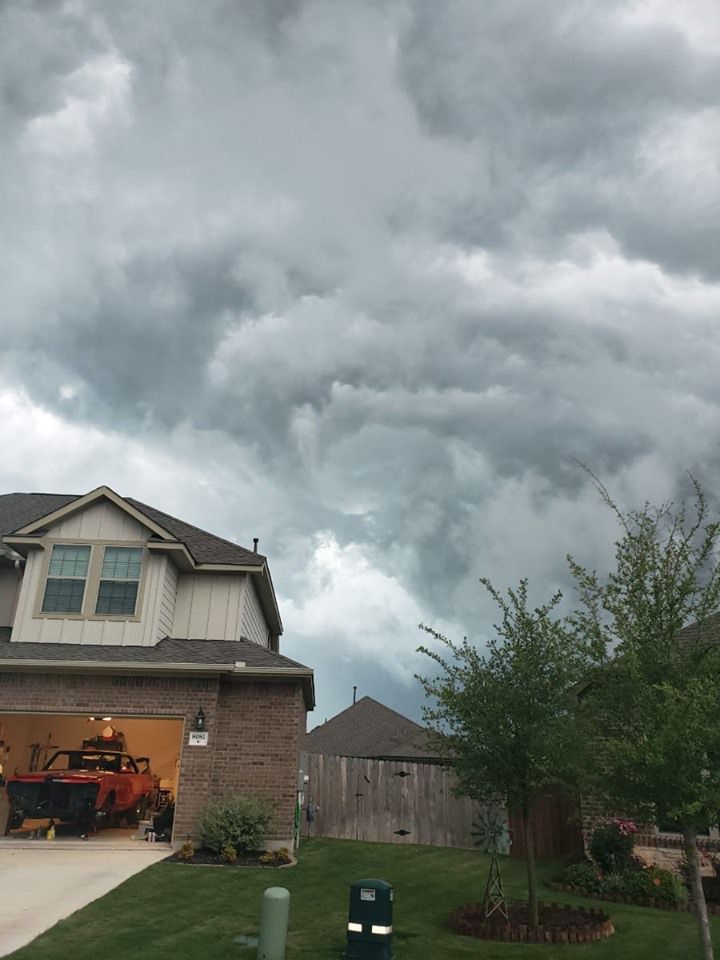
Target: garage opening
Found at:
x=96, y=777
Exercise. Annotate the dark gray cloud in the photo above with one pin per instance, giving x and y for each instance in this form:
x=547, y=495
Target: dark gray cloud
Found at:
x=368, y=280
x=578, y=120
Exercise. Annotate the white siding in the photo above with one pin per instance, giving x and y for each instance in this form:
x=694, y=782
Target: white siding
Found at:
x=253, y=626
x=9, y=583
x=203, y=606
x=100, y=521
x=208, y=606
x=167, y=599
x=143, y=631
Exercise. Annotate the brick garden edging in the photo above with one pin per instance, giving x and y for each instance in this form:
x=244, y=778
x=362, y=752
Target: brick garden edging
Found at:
x=593, y=925
x=713, y=909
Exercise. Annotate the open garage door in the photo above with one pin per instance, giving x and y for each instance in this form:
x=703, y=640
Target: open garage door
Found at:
x=103, y=778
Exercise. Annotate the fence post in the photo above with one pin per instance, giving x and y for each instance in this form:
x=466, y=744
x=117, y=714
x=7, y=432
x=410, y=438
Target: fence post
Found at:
x=273, y=924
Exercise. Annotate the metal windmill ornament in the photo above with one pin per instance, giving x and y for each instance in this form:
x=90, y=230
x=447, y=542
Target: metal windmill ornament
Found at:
x=491, y=835
x=490, y=831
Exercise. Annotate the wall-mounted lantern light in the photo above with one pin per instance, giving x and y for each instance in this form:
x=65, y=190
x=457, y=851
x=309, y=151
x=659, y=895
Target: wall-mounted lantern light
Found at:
x=199, y=722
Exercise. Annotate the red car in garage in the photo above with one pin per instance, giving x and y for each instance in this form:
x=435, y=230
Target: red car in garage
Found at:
x=90, y=786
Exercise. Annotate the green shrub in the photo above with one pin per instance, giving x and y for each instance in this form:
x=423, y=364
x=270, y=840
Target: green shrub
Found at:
x=186, y=851
x=276, y=858
x=228, y=854
x=240, y=822
x=611, y=845
x=613, y=883
x=652, y=883
x=585, y=876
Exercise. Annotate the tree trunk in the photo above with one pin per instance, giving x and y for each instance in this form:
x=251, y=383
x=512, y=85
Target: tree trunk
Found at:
x=531, y=871
x=698, y=894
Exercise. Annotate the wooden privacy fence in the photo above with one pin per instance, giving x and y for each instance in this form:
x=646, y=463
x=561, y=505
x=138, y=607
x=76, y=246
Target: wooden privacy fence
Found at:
x=556, y=825
x=390, y=801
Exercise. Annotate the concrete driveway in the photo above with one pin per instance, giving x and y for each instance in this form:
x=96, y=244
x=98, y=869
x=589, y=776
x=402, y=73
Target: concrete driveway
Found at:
x=43, y=882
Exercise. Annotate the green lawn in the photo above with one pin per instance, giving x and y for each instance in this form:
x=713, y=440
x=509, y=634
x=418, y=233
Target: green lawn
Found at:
x=174, y=912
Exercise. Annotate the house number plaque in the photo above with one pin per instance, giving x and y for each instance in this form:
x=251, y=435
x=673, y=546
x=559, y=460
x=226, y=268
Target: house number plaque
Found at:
x=198, y=738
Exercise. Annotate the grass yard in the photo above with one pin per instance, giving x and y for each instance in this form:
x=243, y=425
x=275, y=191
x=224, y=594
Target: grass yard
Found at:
x=174, y=912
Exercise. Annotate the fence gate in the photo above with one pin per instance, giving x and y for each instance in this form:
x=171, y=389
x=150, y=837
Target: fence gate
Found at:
x=556, y=825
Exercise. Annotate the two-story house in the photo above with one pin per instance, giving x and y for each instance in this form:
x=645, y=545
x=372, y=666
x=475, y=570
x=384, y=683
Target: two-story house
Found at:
x=115, y=616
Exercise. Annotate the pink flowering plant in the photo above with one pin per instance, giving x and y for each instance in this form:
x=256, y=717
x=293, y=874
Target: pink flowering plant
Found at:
x=611, y=845
x=626, y=828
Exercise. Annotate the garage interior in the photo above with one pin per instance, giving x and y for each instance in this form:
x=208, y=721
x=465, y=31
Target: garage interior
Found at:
x=29, y=741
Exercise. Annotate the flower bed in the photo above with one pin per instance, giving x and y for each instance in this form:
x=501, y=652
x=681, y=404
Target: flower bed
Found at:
x=558, y=924
x=682, y=906
x=208, y=858
x=643, y=886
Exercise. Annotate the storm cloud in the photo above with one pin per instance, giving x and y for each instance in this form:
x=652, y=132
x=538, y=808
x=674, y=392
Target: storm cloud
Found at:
x=368, y=280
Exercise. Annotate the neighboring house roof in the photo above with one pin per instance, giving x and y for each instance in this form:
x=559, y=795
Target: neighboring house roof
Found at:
x=17, y=510
x=706, y=633
x=370, y=729
x=241, y=658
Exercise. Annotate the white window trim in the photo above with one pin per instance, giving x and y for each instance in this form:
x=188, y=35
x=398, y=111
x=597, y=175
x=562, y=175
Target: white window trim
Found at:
x=92, y=581
x=70, y=577
x=104, y=579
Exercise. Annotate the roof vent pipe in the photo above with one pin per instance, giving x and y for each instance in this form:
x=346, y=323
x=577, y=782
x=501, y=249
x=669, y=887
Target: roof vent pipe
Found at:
x=256, y=540
x=354, y=695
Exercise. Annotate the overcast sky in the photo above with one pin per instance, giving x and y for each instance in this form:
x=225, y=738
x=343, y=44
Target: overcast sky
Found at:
x=365, y=279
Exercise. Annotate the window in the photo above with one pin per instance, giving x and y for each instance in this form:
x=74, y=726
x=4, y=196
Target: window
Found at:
x=119, y=580
x=67, y=573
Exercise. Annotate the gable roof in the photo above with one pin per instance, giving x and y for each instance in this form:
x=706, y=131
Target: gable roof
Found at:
x=20, y=510
x=370, y=729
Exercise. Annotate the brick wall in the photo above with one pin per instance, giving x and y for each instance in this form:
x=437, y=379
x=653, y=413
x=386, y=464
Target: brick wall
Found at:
x=258, y=745
x=662, y=849
x=253, y=731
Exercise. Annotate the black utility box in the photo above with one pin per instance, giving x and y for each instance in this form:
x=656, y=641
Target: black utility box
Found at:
x=369, y=929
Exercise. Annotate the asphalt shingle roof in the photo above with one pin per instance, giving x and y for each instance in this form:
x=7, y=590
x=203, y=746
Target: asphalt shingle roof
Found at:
x=369, y=729
x=705, y=635
x=169, y=650
x=19, y=509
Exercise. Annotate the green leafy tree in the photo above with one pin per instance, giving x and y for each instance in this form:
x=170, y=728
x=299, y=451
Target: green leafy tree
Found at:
x=656, y=701
x=501, y=718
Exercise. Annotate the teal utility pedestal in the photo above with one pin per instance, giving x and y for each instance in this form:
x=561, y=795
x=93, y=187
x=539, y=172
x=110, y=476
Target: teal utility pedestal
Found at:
x=273, y=924
x=369, y=929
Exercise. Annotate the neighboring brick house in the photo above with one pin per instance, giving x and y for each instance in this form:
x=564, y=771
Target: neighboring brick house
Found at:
x=661, y=843
x=112, y=607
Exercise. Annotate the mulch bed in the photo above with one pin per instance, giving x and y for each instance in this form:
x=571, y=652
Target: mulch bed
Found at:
x=208, y=858
x=558, y=924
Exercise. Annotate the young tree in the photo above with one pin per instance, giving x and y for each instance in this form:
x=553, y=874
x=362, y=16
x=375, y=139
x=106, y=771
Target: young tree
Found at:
x=501, y=718
x=657, y=698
